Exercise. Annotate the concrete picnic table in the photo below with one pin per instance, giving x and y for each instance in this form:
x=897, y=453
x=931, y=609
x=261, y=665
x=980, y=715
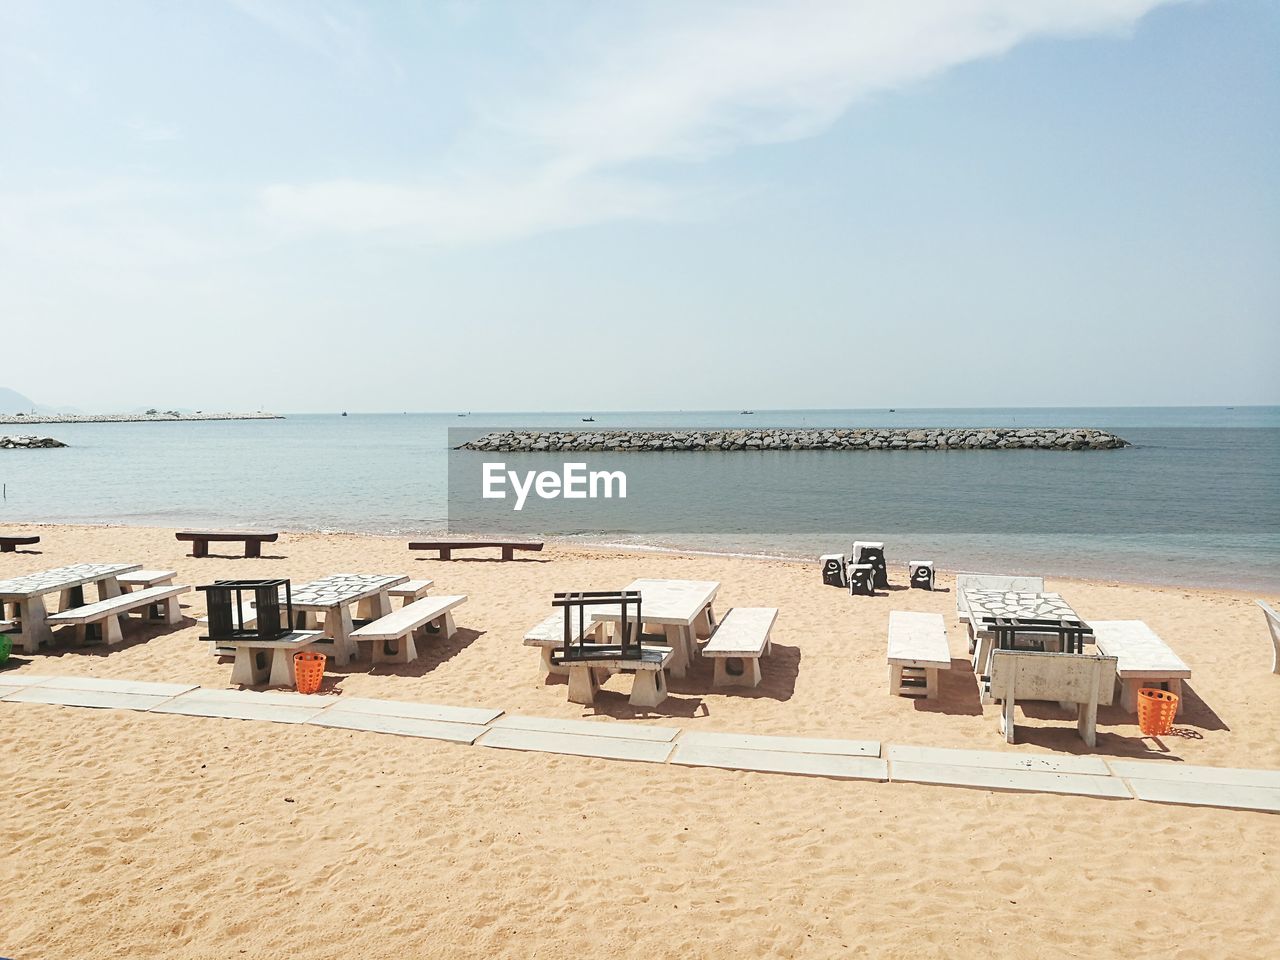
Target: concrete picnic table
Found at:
x=27, y=594
x=985, y=606
x=681, y=607
x=332, y=596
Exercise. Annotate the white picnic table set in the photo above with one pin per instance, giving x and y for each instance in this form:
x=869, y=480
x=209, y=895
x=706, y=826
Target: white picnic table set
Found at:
x=325, y=612
x=25, y=597
x=683, y=611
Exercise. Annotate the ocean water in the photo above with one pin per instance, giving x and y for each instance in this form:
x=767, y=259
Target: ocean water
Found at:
x=1195, y=500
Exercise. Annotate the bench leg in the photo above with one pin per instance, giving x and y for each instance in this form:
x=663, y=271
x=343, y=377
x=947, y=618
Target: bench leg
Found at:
x=1087, y=722
x=1006, y=719
x=1175, y=687
x=253, y=548
x=250, y=668
x=282, y=674
x=111, y=630
x=446, y=553
x=1129, y=695
x=508, y=553
x=172, y=611
x=749, y=677
x=931, y=683
x=447, y=626
x=199, y=548
x=649, y=688
x=582, y=685
x=895, y=680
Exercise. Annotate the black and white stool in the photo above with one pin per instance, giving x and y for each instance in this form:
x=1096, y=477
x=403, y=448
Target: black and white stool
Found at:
x=921, y=574
x=862, y=580
x=872, y=553
x=833, y=570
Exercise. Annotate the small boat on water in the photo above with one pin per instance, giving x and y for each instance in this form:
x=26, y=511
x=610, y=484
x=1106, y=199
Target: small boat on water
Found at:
x=747, y=413
x=588, y=419
x=344, y=413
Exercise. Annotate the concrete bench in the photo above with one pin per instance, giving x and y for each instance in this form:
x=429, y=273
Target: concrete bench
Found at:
x=917, y=651
x=992, y=581
x=1142, y=659
x=8, y=544
x=739, y=641
x=392, y=636
x=648, y=688
x=411, y=590
x=252, y=540
x=109, y=612
x=269, y=662
x=146, y=578
x=447, y=547
x=1069, y=678
x=549, y=637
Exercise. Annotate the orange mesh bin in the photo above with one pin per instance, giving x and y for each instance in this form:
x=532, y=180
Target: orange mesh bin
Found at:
x=1156, y=710
x=308, y=671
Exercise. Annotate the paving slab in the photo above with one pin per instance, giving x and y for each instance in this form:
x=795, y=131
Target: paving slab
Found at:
x=401, y=726
x=418, y=711
x=1188, y=773
x=609, y=748
x=613, y=729
x=9, y=681
x=282, y=698
x=991, y=760
x=1229, y=796
x=263, y=707
x=776, y=761
x=747, y=741
x=107, y=685
x=101, y=699
x=1026, y=781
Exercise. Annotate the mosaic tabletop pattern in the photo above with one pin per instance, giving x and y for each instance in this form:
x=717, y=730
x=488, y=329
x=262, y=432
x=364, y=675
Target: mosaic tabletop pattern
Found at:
x=341, y=588
x=63, y=578
x=988, y=604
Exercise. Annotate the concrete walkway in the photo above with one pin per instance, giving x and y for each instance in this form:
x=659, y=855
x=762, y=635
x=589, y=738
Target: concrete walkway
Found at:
x=1156, y=781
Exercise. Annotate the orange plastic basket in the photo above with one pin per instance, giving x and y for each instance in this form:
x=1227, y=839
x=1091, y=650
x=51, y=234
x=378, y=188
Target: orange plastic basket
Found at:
x=308, y=671
x=1156, y=710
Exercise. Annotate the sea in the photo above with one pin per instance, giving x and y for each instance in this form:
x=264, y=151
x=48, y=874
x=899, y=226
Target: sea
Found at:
x=1195, y=500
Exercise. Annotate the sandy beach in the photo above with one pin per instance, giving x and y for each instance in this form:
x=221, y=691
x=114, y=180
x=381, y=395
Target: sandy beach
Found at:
x=147, y=835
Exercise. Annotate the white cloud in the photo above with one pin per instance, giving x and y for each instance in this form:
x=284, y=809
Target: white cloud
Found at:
x=692, y=81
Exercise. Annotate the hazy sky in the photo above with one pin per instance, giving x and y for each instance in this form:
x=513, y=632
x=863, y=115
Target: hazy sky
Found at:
x=320, y=205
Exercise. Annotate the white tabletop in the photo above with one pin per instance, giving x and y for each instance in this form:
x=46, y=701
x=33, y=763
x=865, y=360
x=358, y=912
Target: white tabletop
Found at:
x=339, y=589
x=666, y=601
x=1021, y=605
x=63, y=578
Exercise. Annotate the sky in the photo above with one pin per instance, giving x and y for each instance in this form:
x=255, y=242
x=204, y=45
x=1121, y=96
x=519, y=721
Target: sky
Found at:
x=315, y=205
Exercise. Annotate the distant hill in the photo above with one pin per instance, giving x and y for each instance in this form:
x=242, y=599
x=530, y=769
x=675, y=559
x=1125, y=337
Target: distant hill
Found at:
x=11, y=402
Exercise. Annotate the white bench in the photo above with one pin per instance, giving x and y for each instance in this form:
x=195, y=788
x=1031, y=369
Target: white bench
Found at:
x=917, y=651
x=992, y=581
x=269, y=662
x=146, y=578
x=648, y=688
x=549, y=636
x=411, y=590
x=109, y=612
x=1142, y=659
x=392, y=636
x=740, y=640
x=1273, y=624
x=1069, y=678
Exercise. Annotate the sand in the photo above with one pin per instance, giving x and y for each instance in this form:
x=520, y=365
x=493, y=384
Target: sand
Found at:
x=143, y=835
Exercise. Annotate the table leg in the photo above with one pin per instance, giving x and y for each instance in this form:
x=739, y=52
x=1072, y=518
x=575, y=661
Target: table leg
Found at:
x=337, y=624
x=282, y=674
x=108, y=588
x=381, y=604
x=35, y=628
x=71, y=597
x=675, y=634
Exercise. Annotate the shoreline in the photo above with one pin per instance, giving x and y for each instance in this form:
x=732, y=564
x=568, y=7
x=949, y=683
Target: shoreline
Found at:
x=14, y=419
x=657, y=550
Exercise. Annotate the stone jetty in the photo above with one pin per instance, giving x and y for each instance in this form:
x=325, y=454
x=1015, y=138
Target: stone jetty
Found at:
x=29, y=443
x=171, y=415
x=921, y=438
